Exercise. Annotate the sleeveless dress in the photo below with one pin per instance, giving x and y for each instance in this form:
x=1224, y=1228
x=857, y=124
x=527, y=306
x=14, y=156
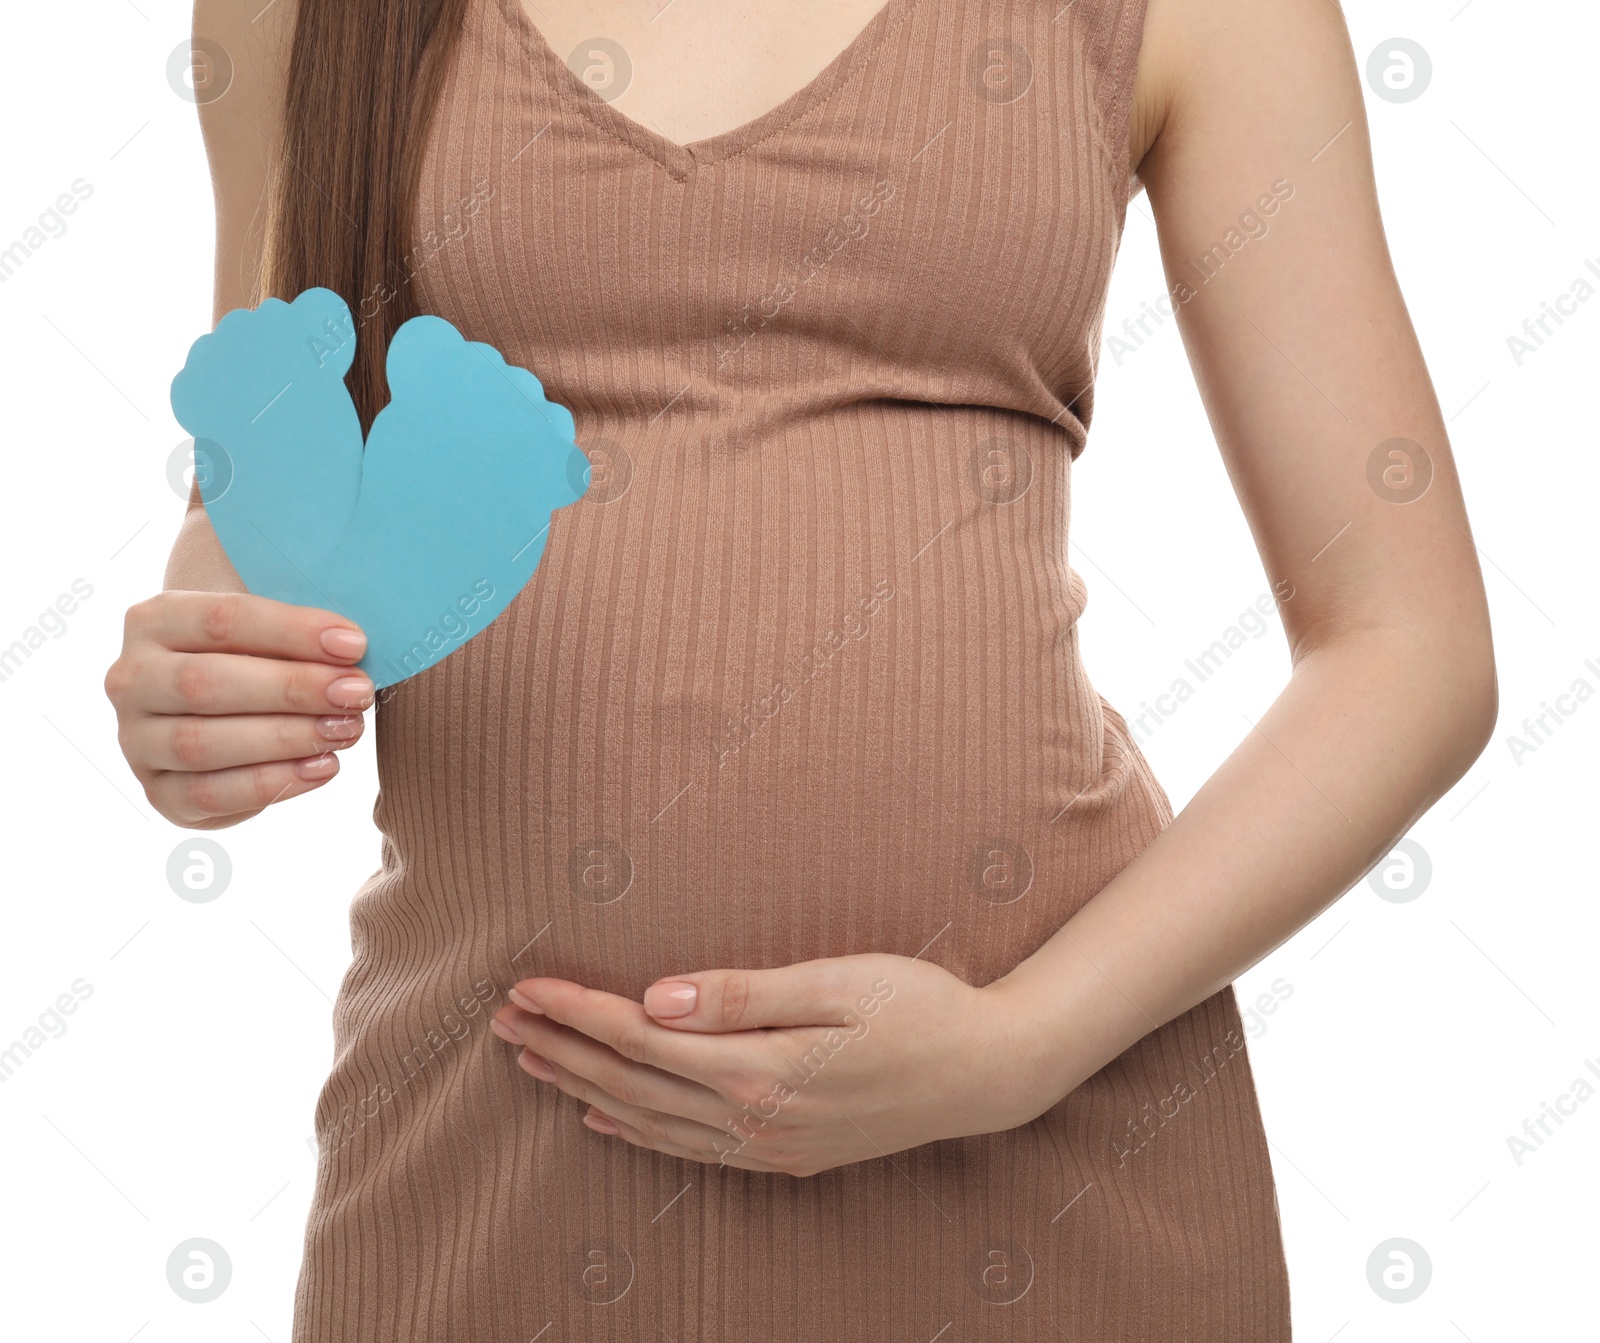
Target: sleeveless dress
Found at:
x=799, y=676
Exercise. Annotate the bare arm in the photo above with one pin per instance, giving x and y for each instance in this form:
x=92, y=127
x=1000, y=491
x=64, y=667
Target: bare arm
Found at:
x=240, y=129
x=227, y=702
x=1307, y=362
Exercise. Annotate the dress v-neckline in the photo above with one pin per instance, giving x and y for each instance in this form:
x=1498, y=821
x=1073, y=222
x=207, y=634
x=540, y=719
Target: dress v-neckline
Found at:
x=682, y=159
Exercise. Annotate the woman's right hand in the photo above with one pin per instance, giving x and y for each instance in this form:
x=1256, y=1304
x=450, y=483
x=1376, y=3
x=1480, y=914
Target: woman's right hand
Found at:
x=228, y=702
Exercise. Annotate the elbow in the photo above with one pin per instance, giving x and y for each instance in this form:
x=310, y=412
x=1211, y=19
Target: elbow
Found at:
x=1473, y=705
x=1433, y=668
x=1477, y=729
x=1445, y=676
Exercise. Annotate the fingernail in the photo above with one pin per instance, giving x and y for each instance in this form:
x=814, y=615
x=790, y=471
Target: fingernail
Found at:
x=539, y=1067
x=344, y=643
x=317, y=767
x=352, y=692
x=526, y=1003
x=670, y=998
x=599, y=1123
x=502, y=1030
x=344, y=727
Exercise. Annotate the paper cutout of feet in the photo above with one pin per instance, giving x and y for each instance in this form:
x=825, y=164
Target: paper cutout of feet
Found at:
x=423, y=535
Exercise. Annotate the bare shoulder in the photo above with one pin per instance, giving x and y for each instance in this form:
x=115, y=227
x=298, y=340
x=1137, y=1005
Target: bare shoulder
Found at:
x=241, y=68
x=1238, y=61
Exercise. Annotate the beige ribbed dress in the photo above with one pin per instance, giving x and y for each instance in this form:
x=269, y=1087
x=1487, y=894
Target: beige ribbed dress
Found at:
x=798, y=677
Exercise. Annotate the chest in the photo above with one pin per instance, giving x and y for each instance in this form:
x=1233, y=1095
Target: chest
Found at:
x=932, y=214
x=696, y=70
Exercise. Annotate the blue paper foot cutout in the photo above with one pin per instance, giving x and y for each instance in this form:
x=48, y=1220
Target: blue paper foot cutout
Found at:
x=423, y=536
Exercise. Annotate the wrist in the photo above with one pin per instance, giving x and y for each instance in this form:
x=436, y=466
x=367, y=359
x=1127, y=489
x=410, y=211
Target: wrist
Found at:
x=1040, y=1051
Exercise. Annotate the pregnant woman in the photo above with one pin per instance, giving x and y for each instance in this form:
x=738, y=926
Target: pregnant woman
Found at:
x=777, y=937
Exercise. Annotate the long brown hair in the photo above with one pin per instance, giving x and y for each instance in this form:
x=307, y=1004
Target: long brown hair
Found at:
x=364, y=79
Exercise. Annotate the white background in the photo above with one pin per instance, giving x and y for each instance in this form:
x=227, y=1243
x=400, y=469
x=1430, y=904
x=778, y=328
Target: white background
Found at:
x=1418, y=1035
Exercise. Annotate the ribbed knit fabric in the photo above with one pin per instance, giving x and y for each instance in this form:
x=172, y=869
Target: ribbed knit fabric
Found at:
x=799, y=677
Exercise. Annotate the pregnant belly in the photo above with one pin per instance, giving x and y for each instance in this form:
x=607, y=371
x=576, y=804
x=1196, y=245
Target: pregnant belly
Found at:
x=758, y=718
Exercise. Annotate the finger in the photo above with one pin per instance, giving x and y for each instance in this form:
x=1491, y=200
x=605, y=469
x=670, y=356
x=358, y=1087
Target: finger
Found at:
x=656, y=1125
x=624, y=1025
x=725, y=1154
x=189, y=799
x=240, y=622
x=604, y=1071
x=810, y=993
x=230, y=683
x=199, y=742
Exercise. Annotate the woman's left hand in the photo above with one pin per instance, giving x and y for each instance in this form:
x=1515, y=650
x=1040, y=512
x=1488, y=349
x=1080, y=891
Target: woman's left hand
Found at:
x=794, y=1070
